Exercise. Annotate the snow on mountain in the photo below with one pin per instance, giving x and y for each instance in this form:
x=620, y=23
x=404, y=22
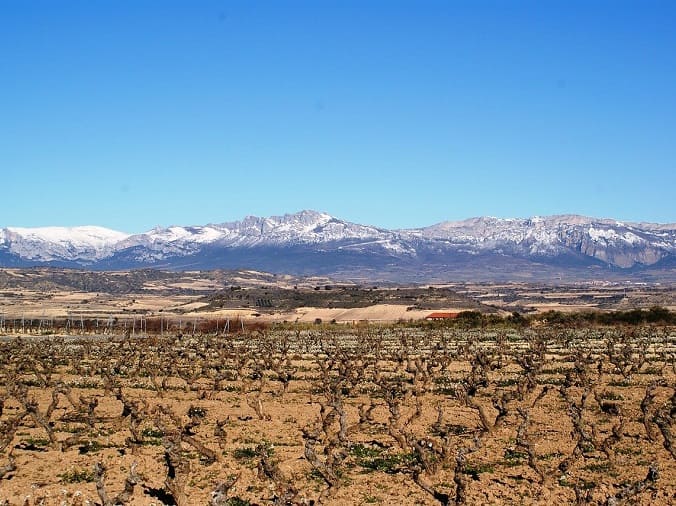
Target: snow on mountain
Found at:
x=305, y=227
x=612, y=242
x=160, y=243
x=87, y=243
x=486, y=233
x=617, y=243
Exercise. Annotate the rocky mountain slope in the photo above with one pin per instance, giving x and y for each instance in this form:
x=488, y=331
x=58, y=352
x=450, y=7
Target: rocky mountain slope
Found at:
x=309, y=243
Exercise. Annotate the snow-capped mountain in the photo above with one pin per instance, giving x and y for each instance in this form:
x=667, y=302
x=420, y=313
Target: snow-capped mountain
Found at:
x=303, y=228
x=311, y=242
x=47, y=244
x=613, y=242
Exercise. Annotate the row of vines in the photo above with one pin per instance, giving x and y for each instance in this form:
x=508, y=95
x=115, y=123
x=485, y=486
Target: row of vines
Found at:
x=362, y=415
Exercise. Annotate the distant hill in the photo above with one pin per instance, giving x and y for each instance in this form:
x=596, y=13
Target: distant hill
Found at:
x=307, y=243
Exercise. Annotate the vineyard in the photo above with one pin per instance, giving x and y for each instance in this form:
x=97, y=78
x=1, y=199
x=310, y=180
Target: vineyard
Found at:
x=337, y=415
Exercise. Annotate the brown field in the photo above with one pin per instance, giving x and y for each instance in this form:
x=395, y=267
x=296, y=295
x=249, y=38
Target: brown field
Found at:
x=44, y=294
x=349, y=415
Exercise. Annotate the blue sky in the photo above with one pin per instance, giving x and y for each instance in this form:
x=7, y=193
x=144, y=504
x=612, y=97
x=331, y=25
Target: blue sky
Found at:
x=131, y=114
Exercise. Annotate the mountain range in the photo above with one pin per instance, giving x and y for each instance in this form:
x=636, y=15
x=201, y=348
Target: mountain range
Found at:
x=565, y=247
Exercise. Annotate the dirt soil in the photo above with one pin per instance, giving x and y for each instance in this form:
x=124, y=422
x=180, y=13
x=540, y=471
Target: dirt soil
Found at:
x=367, y=415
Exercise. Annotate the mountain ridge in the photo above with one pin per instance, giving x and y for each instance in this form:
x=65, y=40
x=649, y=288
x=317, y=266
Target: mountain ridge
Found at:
x=311, y=242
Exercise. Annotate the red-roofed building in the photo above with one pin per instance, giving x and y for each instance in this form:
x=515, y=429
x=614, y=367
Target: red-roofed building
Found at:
x=441, y=316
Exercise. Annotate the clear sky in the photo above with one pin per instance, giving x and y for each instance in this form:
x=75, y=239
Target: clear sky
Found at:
x=135, y=113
